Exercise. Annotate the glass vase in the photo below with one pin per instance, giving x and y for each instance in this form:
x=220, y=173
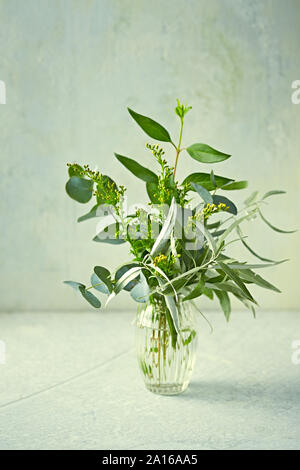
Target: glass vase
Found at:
x=166, y=358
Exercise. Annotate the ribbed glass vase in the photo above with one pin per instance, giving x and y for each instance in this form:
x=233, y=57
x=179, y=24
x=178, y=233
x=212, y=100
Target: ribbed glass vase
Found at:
x=166, y=359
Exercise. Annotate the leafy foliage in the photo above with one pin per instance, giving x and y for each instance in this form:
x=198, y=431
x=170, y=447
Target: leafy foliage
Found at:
x=179, y=241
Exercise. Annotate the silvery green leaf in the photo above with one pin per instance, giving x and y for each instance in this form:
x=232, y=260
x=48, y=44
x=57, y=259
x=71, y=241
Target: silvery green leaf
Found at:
x=171, y=304
x=203, y=193
x=124, y=269
x=91, y=298
x=140, y=292
x=236, y=279
x=130, y=275
x=240, y=234
x=98, y=284
x=224, y=302
x=248, y=275
x=230, y=228
x=251, y=198
x=161, y=272
x=273, y=193
x=104, y=275
x=166, y=230
x=254, y=266
x=272, y=226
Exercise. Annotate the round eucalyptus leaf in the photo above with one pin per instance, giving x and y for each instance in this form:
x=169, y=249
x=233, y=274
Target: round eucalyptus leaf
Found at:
x=89, y=297
x=99, y=285
x=224, y=200
x=80, y=189
x=140, y=292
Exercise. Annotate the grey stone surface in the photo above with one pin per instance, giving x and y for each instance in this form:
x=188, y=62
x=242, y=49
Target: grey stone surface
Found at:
x=71, y=382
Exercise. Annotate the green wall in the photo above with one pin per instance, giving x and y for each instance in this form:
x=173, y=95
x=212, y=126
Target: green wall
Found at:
x=72, y=66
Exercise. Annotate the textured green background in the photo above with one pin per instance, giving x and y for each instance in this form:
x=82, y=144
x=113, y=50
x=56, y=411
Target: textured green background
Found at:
x=72, y=66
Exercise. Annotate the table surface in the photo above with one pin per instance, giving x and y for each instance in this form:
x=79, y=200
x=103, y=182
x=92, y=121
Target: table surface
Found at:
x=70, y=381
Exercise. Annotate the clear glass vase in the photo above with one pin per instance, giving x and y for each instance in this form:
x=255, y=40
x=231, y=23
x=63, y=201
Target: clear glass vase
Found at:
x=166, y=359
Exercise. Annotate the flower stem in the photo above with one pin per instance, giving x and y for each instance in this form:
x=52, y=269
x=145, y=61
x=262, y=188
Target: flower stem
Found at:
x=178, y=150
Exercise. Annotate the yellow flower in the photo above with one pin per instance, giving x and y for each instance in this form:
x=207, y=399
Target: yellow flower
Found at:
x=159, y=259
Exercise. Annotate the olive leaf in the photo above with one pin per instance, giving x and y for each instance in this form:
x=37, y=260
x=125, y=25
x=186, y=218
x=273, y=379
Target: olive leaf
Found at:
x=248, y=275
x=276, y=229
x=240, y=234
x=224, y=302
x=273, y=193
x=236, y=279
x=196, y=292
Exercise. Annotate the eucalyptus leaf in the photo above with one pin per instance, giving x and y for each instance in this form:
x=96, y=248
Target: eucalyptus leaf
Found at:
x=203, y=193
x=235, y=185
x=104, y=275
x=109, y=235
x=90, y=215
x=91, y=298
x=98, y=284
x=153, y=191
x=214, y=225
x=151, y=127
x=204, y=179
x=218, y=233
x=140, y=292
x=212, y=179
x=80, y=189
x=205, y=154
x=138, y=170
x=224, y=200
x=75, y=170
